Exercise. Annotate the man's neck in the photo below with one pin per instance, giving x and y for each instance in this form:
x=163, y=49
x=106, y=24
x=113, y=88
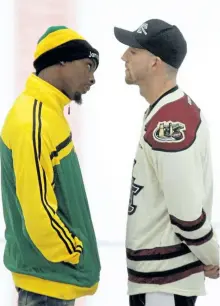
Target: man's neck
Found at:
x=153, y=92
x=49, y=75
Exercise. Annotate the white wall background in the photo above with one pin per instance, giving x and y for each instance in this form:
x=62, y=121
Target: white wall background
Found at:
x=112, y=116
x=6, y=71
x=112, y=112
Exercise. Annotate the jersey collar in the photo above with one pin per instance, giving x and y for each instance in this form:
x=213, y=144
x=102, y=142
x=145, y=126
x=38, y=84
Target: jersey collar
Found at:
x=170, y=96
x=161, y=97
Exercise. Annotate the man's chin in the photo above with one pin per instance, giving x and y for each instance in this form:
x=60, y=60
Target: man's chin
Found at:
x=129, y=81
x=78, y=98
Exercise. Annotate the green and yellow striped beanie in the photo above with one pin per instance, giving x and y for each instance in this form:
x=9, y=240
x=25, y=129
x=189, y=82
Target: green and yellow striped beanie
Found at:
x=61, y=44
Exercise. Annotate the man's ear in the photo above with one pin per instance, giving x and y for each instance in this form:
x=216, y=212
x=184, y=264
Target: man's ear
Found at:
x=156, y=62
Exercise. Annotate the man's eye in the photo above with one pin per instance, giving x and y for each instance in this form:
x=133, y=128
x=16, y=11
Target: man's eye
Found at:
x=90, y=67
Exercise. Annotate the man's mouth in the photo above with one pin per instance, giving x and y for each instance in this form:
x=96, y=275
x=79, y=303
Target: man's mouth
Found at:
x=86, y=88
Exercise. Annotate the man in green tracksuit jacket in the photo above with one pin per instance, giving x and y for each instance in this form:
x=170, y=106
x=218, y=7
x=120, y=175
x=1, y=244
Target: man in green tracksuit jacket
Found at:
x=51, y=247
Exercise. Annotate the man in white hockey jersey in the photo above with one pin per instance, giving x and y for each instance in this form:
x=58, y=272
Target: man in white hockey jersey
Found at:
x=170, y=242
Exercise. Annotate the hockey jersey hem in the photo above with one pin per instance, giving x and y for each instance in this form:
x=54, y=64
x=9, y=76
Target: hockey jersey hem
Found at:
x=170, y=290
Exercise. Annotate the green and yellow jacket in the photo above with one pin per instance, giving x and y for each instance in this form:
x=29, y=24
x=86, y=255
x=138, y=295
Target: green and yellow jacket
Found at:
x=51, y=246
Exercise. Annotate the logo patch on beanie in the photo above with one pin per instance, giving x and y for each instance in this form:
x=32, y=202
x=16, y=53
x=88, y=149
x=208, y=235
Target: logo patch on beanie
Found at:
x=93, y=55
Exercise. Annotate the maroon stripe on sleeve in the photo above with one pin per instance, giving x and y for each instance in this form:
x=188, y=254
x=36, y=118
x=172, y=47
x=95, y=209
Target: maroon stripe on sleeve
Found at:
x=198, y=241
x=189, y=226
x=158, y=253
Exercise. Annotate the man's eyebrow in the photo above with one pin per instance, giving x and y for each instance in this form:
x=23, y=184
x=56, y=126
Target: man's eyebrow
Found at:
x=133, y=49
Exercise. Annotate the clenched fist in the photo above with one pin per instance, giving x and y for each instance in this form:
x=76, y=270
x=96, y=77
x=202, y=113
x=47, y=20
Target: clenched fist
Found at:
x=212, y=272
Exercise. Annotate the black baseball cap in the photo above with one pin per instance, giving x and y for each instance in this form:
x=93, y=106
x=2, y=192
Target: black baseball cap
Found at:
x=158, y=37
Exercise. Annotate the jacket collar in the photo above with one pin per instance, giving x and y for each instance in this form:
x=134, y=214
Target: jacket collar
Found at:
x=45, y=93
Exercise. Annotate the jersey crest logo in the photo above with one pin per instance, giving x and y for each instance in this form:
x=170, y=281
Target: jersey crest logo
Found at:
x=168, y=131
x=135, y=189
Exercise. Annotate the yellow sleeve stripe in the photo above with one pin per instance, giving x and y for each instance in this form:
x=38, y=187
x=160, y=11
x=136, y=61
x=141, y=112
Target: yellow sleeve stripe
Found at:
x=36, y=135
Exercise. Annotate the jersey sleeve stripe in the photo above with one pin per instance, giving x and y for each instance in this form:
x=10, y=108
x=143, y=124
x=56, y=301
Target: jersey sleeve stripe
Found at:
x=165, y=277
x=198, y=241
x=189, y=226
x=159, y=253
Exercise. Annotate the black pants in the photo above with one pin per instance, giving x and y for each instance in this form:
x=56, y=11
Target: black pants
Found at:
x=140, y=300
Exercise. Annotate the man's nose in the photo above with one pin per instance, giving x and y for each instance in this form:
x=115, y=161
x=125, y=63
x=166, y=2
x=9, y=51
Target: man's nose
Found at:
x=124, y=56
x=92, y=81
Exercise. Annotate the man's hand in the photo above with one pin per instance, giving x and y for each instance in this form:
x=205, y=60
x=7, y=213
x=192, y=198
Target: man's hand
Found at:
x=212, y=272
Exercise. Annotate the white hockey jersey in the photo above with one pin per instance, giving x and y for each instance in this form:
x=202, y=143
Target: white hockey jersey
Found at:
x=169, y=232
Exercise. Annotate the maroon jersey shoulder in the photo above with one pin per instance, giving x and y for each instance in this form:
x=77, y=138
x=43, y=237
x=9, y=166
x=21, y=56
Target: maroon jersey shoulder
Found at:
x=174, y=127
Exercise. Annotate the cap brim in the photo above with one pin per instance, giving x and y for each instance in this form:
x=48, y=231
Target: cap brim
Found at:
x=126, y=37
